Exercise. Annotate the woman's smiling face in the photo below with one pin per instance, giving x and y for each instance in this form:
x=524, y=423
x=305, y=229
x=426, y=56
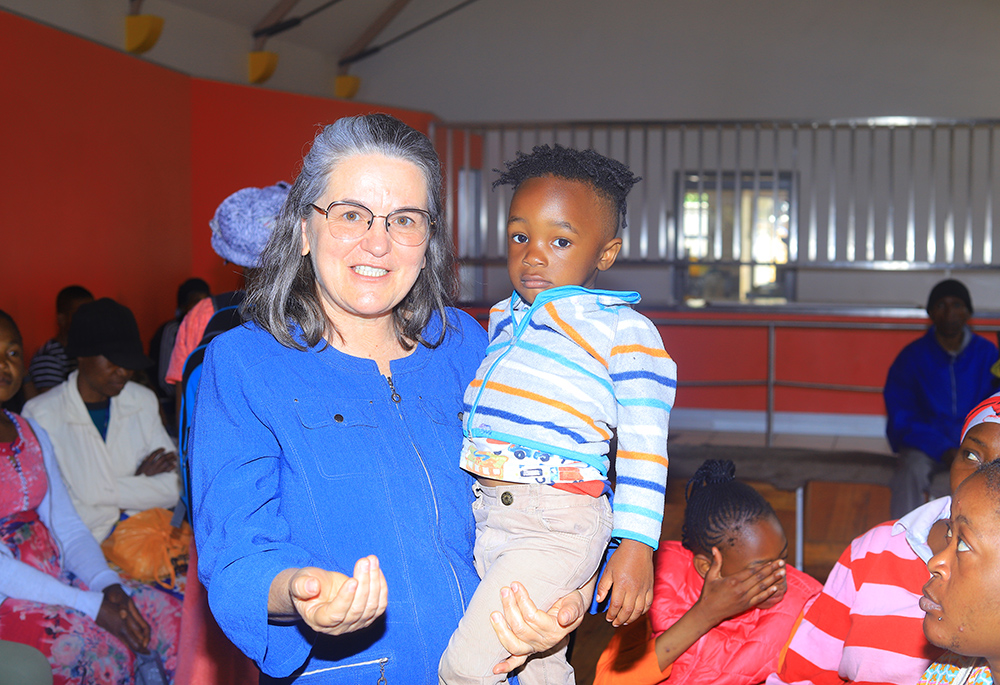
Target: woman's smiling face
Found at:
x=962, y=598
x=365, y=278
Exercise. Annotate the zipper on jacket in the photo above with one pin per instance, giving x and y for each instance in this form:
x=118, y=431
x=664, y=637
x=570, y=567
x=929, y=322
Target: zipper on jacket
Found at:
x=396, y=398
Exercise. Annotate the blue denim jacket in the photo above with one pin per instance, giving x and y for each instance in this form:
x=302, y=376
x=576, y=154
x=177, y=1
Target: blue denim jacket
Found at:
x=304, y=458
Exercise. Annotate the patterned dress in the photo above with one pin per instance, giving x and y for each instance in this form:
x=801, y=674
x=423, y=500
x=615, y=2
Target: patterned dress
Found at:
x=78, y=650
x=954, y=669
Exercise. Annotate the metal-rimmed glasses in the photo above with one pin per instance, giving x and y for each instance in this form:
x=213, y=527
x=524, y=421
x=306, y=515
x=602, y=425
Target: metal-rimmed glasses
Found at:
x=350, y=221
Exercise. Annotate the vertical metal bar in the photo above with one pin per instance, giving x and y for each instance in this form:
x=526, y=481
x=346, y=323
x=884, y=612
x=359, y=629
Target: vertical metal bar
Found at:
x=967, y=245
x=800, y=518
x=771, y=343
x=890, y=218
x=755, y=198
x=812, y=197
x=626, y=235
x=793, y=197
x=501, y=198
x=988, y=218
x=831, y=225
x=449, y=174
x=870, y=229
x=949, y=222
x=851, y=208
x=775, y=207
x=932, y=200
x=665, y=243
x=682, y=174
x=911, y=201
x=718, y=181
x=737, y=195
x=644, y=228
x=484, y=196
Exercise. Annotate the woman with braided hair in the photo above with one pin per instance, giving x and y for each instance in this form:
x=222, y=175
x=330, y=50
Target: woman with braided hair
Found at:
x=724, y=602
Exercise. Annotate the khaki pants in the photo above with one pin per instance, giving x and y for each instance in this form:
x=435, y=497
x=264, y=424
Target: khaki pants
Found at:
x=550, y=541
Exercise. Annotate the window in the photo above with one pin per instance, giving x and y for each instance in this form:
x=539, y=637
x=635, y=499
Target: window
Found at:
x=735, y=237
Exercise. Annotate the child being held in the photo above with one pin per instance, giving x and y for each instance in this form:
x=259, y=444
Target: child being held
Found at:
x=724, y=603
x=567, y=366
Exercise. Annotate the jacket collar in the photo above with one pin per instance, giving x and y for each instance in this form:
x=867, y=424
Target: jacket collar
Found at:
x=75, y=411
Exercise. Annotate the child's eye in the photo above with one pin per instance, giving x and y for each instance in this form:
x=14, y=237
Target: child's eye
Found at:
x=947, y=532
x=519, y=238
x=962, y=546
x=563, y=242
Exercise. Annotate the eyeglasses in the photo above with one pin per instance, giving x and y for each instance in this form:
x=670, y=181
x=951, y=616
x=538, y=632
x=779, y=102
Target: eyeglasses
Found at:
x=350, y=221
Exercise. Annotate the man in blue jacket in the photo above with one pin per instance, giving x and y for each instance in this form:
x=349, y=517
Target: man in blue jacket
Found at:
x=933, y=383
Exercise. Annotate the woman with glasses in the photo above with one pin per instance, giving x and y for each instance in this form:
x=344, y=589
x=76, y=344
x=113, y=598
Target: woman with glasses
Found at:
x=333, y=529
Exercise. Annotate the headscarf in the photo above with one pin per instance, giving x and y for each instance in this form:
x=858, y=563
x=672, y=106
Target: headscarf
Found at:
x=987, y=411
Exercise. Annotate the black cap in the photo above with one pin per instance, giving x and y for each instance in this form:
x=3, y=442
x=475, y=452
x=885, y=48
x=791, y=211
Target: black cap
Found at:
x=104, y=327
x=949, y=288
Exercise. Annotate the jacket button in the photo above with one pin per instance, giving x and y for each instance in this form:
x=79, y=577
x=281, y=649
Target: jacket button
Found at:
x=339, y=418
x=507, y=499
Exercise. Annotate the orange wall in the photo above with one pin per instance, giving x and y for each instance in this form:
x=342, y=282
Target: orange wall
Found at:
x=96, y=177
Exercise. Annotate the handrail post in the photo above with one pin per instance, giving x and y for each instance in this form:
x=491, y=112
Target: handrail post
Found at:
x=769, y=431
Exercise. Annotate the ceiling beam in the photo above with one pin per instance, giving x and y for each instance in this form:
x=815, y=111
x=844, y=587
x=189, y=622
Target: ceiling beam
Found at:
x=277, y=13
x=369, y=34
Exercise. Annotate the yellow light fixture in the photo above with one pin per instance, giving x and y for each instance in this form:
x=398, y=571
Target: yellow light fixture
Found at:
x=141, y=32
x=346, y=86
x=262, y=65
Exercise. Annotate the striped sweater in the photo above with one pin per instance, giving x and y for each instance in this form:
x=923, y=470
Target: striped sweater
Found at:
x=866, y=627
x=562, y=375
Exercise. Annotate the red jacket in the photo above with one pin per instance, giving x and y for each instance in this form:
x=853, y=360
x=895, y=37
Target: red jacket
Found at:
x=740, y=651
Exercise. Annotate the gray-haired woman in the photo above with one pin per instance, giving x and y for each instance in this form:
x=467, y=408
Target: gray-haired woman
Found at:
x=330, y=515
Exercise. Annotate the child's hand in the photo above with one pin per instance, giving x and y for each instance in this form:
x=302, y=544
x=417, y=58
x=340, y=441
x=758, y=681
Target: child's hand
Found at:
x=629, y=576
x=332, y=603
x=722, y=598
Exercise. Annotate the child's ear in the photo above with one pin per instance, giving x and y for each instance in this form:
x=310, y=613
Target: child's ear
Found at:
x=609, y=254
x=702, y=564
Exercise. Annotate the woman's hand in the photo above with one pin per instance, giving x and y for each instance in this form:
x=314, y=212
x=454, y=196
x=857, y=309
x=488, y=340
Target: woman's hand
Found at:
x=524, y=630
x=156, y=463
x=722, y=598
x=629, y=578
x=121, y=617
x=330, y=602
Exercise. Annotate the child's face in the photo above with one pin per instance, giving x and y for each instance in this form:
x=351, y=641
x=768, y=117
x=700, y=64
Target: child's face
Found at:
x=962, y=598
x=981, y=445
x=11, y=361
x=559, y=232
x=756, y=545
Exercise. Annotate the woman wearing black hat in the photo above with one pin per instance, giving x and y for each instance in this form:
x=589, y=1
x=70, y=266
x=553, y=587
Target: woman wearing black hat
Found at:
x=112, y=448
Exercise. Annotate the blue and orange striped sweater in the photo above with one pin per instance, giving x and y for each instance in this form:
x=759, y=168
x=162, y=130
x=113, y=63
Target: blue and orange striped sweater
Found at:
x=563, y=375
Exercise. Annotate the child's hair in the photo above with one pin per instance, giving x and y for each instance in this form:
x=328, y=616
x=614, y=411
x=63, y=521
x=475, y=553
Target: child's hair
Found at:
x=718, y=505
x=9, y=320
x=609, y=177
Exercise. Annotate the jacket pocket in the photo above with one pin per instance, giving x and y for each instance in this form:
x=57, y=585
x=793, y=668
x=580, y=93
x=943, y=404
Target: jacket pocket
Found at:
x=339, y=435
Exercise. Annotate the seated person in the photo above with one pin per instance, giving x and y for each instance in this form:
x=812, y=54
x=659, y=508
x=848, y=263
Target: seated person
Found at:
x=931, y=386
x=724, y=602
x=51, y=365
x=960, y=599
x=866, y=627
x=57, y=593
x=113, y=451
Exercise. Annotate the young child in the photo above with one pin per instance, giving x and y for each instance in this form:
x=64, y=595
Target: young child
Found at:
x=567, y=367
x=724, y=602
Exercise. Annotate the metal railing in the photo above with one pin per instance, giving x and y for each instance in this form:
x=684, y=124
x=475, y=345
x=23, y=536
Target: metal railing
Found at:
x=883, y=193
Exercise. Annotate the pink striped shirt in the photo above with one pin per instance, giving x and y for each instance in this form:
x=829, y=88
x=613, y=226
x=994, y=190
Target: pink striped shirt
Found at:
x=866, y=625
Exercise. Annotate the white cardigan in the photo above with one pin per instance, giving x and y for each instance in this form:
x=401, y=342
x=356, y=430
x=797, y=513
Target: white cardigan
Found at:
x=79, y=551
x=100, y=474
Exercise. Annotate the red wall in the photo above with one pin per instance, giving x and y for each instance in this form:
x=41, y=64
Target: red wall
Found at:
x=112, y=168
x=96, y=177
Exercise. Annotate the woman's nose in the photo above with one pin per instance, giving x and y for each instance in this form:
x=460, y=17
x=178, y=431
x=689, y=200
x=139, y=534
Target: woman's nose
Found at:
x=376, y=240
x=939, y=563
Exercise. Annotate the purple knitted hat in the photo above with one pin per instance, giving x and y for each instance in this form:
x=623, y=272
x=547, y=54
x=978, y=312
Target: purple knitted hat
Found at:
x=243, y=223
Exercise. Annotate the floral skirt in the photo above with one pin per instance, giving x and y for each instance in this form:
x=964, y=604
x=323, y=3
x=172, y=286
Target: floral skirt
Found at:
x=78, y=649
